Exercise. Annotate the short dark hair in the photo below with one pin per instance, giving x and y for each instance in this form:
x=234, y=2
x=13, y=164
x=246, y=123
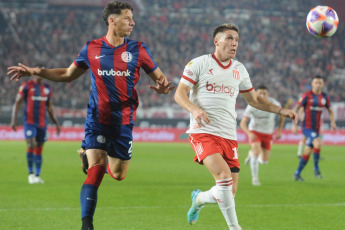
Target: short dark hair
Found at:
x=317, y=77
x=262, y=87
x=224, y=27
x=115, y=7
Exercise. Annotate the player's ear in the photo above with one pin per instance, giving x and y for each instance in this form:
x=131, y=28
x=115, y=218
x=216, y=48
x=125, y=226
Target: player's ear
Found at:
x=215, y=41
x=111, y=20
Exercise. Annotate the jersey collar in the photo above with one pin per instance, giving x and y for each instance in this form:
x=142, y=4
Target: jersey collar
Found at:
x=220, y=64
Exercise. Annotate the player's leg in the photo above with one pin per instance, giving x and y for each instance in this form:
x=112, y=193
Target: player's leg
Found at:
x=316, y=154
x=303, y=162
x=117, y=168
x=225, y=188
x=254, y=162
x=97, y=160
x=301, y=144
x=30, y=137
x=40, y=139
x=264, y=156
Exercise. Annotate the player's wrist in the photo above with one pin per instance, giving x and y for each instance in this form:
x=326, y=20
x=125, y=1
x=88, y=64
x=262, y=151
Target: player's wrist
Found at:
x=280, y=110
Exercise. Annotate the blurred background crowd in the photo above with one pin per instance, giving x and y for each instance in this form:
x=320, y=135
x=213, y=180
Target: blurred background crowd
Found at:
x=274, y=44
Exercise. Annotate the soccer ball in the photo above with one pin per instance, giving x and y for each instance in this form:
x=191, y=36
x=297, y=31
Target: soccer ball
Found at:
x=322, y=21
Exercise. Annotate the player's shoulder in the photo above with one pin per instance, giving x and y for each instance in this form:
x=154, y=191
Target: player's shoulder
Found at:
x=201, y=60
x=238, y=65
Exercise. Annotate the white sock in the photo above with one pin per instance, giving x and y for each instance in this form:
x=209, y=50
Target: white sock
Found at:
x=254, y=166
x=226, y=202
x=206, y=197
x=300, y=148
x=262, y=161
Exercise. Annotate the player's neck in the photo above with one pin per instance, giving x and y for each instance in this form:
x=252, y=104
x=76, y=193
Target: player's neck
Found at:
x=114, y=40
x=317, y=92
x=222, y=60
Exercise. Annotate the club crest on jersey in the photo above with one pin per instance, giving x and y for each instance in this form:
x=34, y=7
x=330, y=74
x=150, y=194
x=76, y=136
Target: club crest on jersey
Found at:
x=46, y=91
x=126, y=56
x=323, y=101
x=236, y=74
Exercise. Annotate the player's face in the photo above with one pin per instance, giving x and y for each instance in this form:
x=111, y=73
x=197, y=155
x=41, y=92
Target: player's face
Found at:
x=317, y=85
x=227, y=43
x=262, y=92
x=124, y=23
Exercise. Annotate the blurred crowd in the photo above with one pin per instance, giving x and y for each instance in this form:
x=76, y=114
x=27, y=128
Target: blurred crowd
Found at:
x=274, y=45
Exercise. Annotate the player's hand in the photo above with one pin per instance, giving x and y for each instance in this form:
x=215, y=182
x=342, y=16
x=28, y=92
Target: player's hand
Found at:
x=14, y=126
x=162, y=88
x=289, y=114
x=278, y=134
x=58, y=130
x=19, y=71
x=333, y=126
x=252, y=137
x=294, y=129
x=200, y=116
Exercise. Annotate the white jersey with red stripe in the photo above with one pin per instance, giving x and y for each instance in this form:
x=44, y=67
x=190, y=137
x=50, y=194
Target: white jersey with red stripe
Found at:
x=214, y=88
x=261, y=121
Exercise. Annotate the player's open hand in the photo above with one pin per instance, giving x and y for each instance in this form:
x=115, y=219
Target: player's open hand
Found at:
x=19, y=71
x=162, y=88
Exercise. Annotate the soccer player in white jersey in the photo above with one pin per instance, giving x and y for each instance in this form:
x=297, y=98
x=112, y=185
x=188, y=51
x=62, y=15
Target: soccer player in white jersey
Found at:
x=213, y=82
x=260, y=132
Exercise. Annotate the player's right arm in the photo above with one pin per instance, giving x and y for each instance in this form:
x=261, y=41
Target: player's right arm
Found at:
x=60, y=74
x=244, y=127
x=15, y=109
x=182, y=99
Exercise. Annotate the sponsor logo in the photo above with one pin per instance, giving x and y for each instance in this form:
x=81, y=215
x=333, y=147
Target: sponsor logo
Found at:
x=189, y=72
x=126, y=56
x=39, y=98
x=313, y=134
x=98, y=57
x=220, y=89
x=316, y=108
x=114, y=73
x=210, y=71
x=236, y=74
x=101, y=139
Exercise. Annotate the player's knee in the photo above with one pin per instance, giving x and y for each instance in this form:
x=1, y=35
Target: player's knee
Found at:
x=118, y=176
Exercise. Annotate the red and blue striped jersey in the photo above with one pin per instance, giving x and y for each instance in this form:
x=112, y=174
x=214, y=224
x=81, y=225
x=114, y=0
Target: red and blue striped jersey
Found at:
x=114, y=72
x=313, y=106
x=36, y=97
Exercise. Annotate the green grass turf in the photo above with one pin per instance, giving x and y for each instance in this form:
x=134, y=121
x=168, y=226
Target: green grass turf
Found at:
x=156, y=192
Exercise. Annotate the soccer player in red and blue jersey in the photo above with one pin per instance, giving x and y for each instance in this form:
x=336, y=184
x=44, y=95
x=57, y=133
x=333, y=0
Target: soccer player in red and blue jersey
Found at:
x=114, y=62
x=38, y=102
x=313, y=103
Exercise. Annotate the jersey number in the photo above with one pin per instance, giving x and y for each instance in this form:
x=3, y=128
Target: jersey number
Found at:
x=235, y=153
x=131, y=147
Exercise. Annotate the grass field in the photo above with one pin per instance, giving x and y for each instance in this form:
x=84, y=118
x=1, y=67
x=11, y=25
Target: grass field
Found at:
x=156, y=192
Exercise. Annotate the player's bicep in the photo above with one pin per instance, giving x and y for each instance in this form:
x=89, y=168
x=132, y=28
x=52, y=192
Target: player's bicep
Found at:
x=183, y=89
x=250, y=97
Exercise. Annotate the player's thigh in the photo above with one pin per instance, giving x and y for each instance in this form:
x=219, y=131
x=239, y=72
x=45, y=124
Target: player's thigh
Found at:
x=97, y=157
x=117, y=165
x=217, y=166
x=317, y=143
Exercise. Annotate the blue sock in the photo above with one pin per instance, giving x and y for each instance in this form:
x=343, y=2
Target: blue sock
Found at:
x=316, y=161
x=302, y=163
x=30, y=161
x=38, y=163
x=88, y=200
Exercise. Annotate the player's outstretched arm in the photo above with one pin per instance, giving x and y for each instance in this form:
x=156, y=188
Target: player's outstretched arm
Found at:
x=262, y=103
x=163, y=86
x=60, y=75
x=182, y=99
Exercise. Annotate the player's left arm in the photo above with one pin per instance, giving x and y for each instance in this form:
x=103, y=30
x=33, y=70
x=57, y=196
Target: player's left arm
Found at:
x=163, y=86
x=262, y=103
x=331, y=116
x=53, y=117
